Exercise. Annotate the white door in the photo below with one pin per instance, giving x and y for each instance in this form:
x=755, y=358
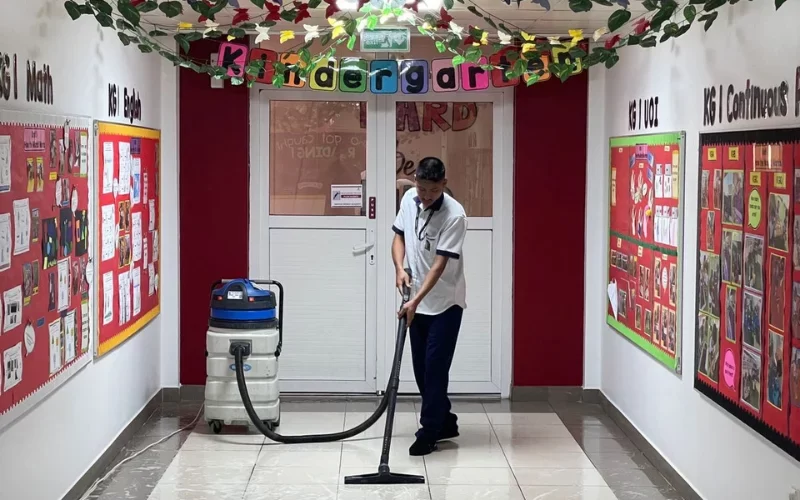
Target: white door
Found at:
x=311, y=221
x=466, y=131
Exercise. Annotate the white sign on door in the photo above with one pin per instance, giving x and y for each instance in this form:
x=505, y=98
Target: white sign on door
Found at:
x=346, y=196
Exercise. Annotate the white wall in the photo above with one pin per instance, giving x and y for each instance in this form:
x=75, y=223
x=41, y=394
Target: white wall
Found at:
x=48, y=449
x=720, y=457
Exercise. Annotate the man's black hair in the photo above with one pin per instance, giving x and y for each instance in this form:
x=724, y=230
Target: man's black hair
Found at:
x=430, y=169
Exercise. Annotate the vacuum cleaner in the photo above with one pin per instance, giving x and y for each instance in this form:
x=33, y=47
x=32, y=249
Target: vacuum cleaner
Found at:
x=244, y=328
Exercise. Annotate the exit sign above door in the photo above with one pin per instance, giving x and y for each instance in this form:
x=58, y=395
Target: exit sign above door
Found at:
x=386, y=40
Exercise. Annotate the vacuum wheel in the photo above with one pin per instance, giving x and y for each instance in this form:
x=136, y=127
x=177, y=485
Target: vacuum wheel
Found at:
x=216, y=426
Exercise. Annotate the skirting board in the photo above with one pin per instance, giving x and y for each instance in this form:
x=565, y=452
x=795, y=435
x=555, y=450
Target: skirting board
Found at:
x=102, y=463
x=555, y=393
x=650, y=453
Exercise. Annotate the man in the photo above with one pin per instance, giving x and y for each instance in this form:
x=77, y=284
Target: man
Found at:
x=429, y=233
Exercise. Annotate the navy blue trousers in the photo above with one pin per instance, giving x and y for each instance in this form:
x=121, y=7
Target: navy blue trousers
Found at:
x=433, y=344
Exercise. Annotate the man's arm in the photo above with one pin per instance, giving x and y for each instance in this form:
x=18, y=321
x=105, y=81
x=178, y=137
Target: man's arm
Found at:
x=398, y=255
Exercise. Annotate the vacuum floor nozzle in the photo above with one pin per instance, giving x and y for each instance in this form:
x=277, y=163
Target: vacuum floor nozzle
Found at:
x=384, y=477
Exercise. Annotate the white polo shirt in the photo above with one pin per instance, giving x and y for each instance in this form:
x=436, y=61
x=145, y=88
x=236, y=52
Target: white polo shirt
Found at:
x=439, y=229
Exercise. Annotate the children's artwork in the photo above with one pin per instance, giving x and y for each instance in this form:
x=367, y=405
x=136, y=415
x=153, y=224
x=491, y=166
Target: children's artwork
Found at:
x=12, y=313
x=108, y=297
x=12, y=366
x=35, y=225
x=54, y=331
x=136, y=179
x=63, y=284
x=645, y=242
x=128, y=227
x=49, y=243
x=66, y=237
x=5, y=163
x=69, y=337
x=85, y=333
x=22, y=226
x=5, y=241
x=81, y=232
x=749, y=270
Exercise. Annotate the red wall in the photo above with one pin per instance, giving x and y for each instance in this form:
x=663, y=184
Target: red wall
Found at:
x=214, y=201
x=549, y=244
x=549, y=183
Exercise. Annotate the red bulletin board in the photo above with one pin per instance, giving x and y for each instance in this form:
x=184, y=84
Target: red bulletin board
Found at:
x=128, y=223
x=645, y=241
x=748, y=280
x=45, y=208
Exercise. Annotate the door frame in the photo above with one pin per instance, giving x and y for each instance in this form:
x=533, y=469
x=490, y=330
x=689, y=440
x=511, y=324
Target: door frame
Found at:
x=261, y=222
x=500, y=223
x=381, y=109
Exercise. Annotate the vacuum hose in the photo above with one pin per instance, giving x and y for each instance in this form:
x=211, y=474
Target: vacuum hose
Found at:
x=241, y=350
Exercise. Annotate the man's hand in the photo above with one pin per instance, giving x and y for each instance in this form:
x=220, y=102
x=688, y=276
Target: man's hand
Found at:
x=408, y=310
x=403, y=279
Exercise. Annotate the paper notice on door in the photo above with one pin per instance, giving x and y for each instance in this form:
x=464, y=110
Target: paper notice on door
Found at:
x=346, y=196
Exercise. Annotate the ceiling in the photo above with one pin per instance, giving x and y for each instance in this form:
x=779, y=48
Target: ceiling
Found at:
x=528, y=16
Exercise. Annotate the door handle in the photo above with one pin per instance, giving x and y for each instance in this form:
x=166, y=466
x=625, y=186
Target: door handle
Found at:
x=357, y=249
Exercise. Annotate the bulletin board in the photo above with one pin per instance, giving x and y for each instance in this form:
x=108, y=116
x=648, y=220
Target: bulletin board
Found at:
x=747, y=346
x=45, y=256
x=128, y=228
x=645, y=242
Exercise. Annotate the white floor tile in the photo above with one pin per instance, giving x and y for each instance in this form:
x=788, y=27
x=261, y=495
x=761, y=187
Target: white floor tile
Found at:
x=568, y=493
x=485, y=476
x=274, y=458
x=320, y=475
x=223, y=442
x=524, y=419
x=476, y=435
x=543, y=445
x=168, y=491
x=405, y=424
x=476, y=493
x=472, y=418
x=209, y=474
x=290, y=492
x=367, y=453
x=528, y=431
x=389, y=492
x=465, y=457
x=528, y=476
x=272, y=447
x=205, y=458
x=542, y=460
x=357, y=471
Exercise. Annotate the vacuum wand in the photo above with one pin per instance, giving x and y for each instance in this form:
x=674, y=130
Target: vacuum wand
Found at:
x=384, y=474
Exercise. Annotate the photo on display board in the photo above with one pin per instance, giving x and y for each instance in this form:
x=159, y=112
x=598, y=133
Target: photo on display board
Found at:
x=732, y=256
x=67, y=238
x=730, y=313
x=796, y=245
x=622, y=306
x=751, y=320
x=710, y=230
x=53, y=150
x=777, y=287
x=754, y=262
x=733, y=198
x=648, y=322
x=797, y=184
x=796, y=310
x=124, y=216
x=51, y=292
x=672, y=328
x=704, y=189
x=794, y=382
x=638, y=317
x=124, y=250
x=656, y=322
x=717, y=189
x=613, y=259
x=709, y=281
x=673, y=284
x=708, y=347
x=27, y=283
x=657, y=277
x=30, y=171
x=751, y=379
x=775, y=370
x=778, y=221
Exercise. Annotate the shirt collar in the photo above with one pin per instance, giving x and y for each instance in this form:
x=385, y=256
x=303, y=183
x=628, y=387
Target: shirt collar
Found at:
x=436, y=205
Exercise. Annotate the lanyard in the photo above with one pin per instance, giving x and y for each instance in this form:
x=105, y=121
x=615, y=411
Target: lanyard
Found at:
x=421, y=232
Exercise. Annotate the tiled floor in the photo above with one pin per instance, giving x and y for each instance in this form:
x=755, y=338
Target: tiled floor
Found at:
x=514, y=451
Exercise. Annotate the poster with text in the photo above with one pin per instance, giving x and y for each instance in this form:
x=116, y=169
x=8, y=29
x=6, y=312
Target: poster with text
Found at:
x=129, y=200
x=748, y=280
x=645, y=242
x=45, y=204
